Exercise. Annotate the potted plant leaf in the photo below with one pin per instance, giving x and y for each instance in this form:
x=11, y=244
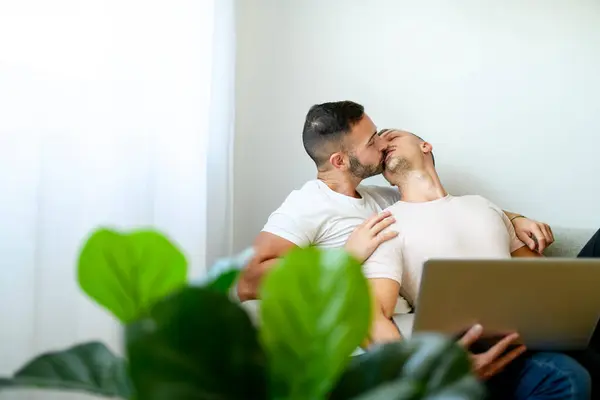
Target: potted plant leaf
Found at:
x=189, y=340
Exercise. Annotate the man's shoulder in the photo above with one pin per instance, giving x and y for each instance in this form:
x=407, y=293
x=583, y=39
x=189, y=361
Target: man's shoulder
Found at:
x=298, y=218
x=471, y=198
x=309, y=191
x=477, y=200
x=309, y=198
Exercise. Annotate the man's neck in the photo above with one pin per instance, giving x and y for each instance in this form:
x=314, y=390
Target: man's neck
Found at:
x=419, y=186
x=340, y=184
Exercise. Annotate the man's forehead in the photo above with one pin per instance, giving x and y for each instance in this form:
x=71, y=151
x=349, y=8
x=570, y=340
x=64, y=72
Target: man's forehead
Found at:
x=394, y=133
x=386, y=130
x=363, y=129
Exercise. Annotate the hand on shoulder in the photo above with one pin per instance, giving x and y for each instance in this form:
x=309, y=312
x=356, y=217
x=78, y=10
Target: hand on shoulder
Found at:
x=365, y=239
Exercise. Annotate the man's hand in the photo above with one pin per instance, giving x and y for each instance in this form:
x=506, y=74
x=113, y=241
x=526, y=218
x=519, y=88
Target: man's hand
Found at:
x=367, y=236
x=488, y=364
x=530, y=232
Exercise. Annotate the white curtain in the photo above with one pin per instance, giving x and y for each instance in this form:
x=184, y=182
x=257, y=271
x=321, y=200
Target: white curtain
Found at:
x=114, y=112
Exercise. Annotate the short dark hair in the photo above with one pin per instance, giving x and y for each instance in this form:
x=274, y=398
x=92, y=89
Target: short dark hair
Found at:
x=326, y=124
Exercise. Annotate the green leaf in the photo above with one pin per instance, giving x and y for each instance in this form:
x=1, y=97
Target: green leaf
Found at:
x=196, y=344
x=423, y=367
x=437, y=361
x=128, y=272
x=396, y=390
x=315, y=312
x=89, y=367
x=381, y=364
x=224, y=282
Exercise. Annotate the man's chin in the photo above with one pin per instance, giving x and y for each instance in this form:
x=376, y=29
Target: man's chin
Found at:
x=378, y=171
x=367, y=173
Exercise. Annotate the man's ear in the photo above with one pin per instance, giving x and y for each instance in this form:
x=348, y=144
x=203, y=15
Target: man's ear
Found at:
x=426, y=147
x=338, y=161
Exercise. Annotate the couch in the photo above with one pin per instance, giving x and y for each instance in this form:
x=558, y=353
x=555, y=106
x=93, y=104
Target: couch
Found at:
x=568, y=242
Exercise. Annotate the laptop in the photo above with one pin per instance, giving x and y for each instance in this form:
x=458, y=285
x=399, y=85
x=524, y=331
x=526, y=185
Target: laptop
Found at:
x=554, y=303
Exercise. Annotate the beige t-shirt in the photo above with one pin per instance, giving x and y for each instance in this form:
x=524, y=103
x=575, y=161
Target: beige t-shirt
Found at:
x=450, y=227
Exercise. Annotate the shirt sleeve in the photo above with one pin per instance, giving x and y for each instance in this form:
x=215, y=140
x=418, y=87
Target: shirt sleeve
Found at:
x=385, y=196
x=291, y=222
x=515, y=242
x=385, y=262
x=390, y=194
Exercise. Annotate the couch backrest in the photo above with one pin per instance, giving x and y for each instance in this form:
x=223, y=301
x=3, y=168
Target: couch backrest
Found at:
x=568, y=241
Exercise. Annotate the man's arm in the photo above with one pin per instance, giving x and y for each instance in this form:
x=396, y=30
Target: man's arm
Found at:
x=511, y=215
x=291, y=225
x=525, y=252
x=384, y=272
x=384, y=296
x=528, y=229
x=517, y=246
x=268, y=248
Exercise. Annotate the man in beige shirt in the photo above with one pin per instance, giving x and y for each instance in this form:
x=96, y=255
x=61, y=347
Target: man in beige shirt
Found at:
x=434, y=224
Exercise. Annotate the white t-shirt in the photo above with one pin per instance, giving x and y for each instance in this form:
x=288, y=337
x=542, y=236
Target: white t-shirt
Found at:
x=316, y=215
x=450, y=227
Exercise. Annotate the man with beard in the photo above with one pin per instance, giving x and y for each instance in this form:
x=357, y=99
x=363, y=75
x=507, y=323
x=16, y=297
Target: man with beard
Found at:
x=435, y=224
x=333, y=211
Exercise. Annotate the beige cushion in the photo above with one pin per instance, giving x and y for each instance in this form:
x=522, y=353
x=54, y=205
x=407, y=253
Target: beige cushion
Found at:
x=568, y=241
x=404, y=322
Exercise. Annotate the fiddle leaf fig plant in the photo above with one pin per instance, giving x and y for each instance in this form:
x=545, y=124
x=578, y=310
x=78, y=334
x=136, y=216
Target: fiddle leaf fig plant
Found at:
x=126, y=272
x=191, y=340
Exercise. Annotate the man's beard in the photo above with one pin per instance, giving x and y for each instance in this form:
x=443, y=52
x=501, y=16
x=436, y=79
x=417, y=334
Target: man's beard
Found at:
x=397, y=165
x=364, y=171
x=396, y=168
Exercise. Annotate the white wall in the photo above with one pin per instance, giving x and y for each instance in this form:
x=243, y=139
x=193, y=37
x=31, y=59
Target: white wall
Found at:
x=507, y=92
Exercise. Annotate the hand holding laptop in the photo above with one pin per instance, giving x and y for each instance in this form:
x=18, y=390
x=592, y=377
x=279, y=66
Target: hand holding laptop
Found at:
x=494, y=359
